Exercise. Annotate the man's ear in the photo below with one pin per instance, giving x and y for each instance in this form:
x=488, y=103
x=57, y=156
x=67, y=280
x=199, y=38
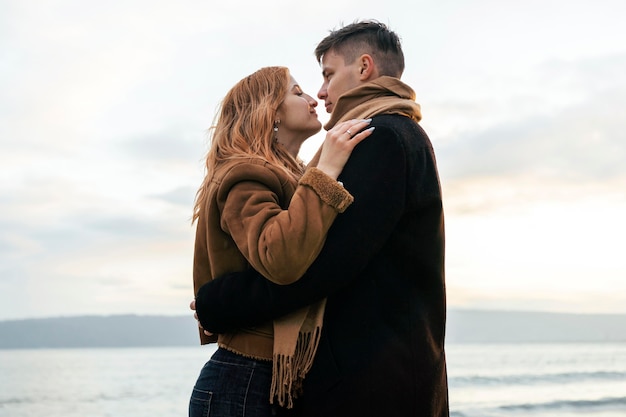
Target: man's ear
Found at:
x=367, y=68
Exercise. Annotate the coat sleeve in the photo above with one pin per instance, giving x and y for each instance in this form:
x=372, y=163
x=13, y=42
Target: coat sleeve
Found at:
x=376, y=176
x=280, y=244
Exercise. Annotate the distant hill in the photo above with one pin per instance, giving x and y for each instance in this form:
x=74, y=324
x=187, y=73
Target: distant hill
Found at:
x=469, y=326
x=99, y=331
x=464, y=326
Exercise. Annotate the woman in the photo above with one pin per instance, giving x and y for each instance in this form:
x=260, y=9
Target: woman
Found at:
x=259, y=208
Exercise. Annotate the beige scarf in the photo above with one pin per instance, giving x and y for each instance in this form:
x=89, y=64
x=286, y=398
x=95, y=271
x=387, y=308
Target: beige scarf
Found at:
x=297, y=335
x=384, y=95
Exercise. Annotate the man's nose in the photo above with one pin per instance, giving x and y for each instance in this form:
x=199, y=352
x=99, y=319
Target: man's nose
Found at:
x=322, y=94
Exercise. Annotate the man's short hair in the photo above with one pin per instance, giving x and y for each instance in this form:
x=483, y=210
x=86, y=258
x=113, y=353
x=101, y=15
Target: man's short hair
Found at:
x=366, y=37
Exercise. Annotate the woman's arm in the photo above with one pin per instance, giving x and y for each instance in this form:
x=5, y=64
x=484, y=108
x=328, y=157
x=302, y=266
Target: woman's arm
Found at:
x=279, y=243
x=376, y=177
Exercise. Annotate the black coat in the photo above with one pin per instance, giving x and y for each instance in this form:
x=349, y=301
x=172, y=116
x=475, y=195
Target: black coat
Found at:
x=382, y=271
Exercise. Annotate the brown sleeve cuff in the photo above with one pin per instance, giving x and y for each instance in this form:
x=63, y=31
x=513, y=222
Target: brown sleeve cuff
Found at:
x=330, y=191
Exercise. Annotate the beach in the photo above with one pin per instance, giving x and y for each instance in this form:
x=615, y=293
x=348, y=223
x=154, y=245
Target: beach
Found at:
x=485, y=380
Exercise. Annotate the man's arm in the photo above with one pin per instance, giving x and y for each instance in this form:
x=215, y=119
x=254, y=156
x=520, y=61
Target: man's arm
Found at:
x=376, y=176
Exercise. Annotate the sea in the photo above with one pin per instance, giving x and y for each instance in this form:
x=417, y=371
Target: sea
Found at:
x=485, y=380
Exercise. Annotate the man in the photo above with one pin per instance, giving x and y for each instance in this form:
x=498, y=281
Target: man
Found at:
x=381, y=351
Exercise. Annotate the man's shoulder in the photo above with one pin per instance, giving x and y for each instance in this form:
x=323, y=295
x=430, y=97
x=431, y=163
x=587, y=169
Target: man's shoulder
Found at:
x=396, y=122
x=403, y=128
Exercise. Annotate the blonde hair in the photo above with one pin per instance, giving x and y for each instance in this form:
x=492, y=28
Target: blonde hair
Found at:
x=245, y=127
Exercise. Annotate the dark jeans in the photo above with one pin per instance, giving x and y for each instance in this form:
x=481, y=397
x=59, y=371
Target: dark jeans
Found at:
x=232, y=385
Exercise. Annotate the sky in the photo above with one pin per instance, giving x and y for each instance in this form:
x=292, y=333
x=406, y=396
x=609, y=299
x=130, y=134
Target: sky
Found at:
x=105, y=108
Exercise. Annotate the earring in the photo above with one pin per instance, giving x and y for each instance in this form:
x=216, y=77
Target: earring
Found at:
x=276, y=123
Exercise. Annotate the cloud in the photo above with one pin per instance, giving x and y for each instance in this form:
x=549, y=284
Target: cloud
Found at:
x=168, y=145
x=105, y=109
x=183, y=196
x=574, y=142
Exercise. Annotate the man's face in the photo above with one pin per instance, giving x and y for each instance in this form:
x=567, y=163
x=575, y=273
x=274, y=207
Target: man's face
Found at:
x=338, y=78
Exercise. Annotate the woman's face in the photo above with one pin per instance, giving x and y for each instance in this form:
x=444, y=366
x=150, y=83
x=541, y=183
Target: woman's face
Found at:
x=297, y=115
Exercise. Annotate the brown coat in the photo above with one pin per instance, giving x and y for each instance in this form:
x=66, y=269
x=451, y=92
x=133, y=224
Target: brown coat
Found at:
x=258, y=216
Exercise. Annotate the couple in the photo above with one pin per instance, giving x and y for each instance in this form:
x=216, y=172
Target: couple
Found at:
x=325, y=283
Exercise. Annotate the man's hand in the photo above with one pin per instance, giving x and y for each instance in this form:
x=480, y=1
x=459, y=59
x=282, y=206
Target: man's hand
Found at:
x=192, y=306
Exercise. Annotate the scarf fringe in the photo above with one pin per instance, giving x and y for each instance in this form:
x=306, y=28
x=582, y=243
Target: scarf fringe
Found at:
x=289, y=370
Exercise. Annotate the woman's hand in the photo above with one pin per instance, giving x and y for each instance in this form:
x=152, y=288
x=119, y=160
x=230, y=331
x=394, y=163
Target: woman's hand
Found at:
x=339, y=143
